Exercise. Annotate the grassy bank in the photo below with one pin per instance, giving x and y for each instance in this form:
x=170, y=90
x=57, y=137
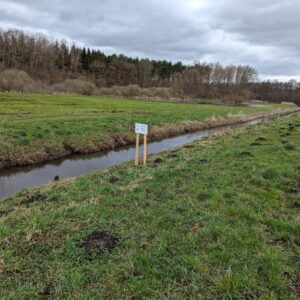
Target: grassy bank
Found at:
x=36, y=128
x=216, y=219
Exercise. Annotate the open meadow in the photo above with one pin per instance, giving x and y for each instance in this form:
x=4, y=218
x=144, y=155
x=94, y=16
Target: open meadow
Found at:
x=150, y=150
x=216, y=219
x=37, y=127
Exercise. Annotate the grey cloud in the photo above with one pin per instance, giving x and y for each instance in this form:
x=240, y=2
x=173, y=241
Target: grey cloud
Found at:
x=264, y=34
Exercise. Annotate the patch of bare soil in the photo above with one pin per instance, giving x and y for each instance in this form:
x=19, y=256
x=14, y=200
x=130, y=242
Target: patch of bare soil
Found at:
x=204, y=196
x=261, y=139
x=289, y=147
x=98, y=242
x=296, y=205
x=256, y=144
x=158, y=160
x=189, y=146
x=4, y=213
x=286, y=134
x=34, y=198
x=114, y=179
x=173, y=155
x=203, y=161
x=48, y=290
x=245, y=154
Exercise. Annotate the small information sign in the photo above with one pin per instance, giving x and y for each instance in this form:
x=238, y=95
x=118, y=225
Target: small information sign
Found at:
x=141, y=128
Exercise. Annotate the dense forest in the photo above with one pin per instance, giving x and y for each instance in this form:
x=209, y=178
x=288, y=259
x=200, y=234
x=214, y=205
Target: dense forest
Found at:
x=34, y=63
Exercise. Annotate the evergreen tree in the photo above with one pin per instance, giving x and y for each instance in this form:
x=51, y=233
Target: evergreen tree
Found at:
x=84, y=59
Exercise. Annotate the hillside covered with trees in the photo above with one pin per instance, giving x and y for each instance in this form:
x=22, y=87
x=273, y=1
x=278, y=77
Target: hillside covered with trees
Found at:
x=34, y=63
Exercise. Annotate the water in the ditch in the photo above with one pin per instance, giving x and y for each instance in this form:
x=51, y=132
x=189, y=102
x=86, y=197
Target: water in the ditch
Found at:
x=15, y=179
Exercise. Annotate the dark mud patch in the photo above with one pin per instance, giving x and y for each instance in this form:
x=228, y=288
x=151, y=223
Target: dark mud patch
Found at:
x=256, y=144
x=270, y=174
x=203, y=161
x=173, y=155
x=289, y=147
x=47, y=291
x=4, y=213
x=252, y=295
x=114, y=179
x=261, y=139
x=99, y=242
x=296, y=205
x=229, y=195
x=204, y=196
x=291, y=126
x=280, y=240
x=283, y=136
x=158, y=160
x=294, y=190
x=189, y=147
x=245, y=154
x=68, y=147
x=34, y=198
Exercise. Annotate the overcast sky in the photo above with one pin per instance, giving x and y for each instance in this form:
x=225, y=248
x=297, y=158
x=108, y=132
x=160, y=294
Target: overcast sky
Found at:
x=262, y=33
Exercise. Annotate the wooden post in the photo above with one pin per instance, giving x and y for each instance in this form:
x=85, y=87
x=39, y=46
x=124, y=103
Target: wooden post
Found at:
x=141, y=129
x=145, y=149
x=137, y=149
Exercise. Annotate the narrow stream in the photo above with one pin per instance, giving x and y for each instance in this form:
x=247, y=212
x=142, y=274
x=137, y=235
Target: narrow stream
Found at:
x=15, y=179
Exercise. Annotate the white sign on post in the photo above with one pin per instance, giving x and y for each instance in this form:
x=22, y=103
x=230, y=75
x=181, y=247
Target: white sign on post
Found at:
x=141, y=128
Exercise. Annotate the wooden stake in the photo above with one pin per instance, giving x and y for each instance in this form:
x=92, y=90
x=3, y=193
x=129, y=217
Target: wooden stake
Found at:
x=137, y=149
x=145, y=149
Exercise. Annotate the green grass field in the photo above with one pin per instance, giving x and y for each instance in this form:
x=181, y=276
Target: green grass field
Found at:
x=218, y=219
x=36, y=127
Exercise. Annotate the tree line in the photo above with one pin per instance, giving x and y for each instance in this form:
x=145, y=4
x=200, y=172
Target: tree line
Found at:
x=53, y=62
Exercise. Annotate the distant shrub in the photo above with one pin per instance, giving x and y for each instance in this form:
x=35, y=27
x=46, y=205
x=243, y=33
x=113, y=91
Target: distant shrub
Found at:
x=100, y=82
x=239, y=97
x=129, y=91
x=246, y=94
x=132, y=90
x=232, y=99
x=135, y=91
x=75, y=86
x=80, y=86
x=104, y=91
x=162, y=92
x=148, y=92
x=116, y=90
x=17, y=81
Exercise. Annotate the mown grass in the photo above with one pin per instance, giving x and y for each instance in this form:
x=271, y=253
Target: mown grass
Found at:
x=36, y=127
x=218, y=219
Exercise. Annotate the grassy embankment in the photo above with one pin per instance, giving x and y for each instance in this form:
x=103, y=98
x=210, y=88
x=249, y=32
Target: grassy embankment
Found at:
x=216, y=219
x=36, y=128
